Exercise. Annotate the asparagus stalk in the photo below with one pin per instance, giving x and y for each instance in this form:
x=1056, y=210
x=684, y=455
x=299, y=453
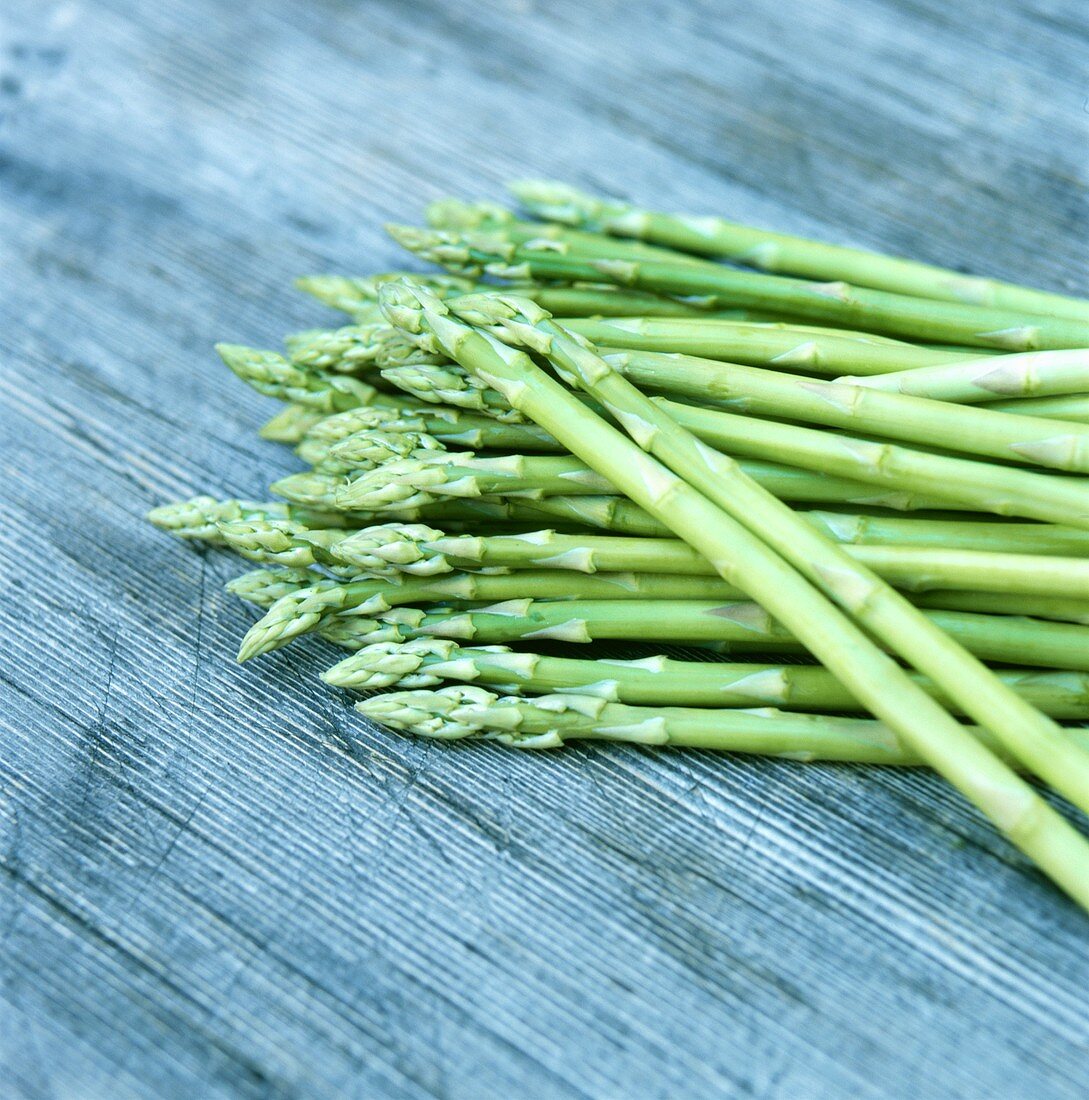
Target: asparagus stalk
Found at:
x=1027, y=734
x=836, y=302
x=915, y=569
x=537, y=479
x=1074, y=408
x=202, y=517
x=743, y=627
x=1059, y=608
x=310, y=492
x=996, y=536
x=452, y=427
x=304, y=611
x=548, y=722
x=455, y=215
x=742, y=558
x=655, y=681
x=796, y=348
x=864, y=411
x=358, y=296
x=274, y=376
x=917, y=479
x=975, y=381
x=782, y=252
x=861, y=530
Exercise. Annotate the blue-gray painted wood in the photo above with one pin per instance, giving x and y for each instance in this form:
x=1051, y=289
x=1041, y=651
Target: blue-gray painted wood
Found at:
x=217, y=881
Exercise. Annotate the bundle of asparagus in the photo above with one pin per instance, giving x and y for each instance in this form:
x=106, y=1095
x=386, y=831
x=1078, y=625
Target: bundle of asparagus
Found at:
x=862, y=505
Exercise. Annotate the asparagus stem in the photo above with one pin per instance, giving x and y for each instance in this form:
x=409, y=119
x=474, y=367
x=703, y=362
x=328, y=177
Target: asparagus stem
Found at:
x=975, y=381
x=782, y=252
x=965, y=484
x=1074, y=408
x=912, y=479
x=916, y=569
x=547, y=722
x=274, y=376
x=844, y=527
x=1060, y=608
x=418, y=482
x=743, y=627
x=358, y=296
x=836, y=302
x=202, y=517
x=453, y=427
x=861, y=410
x=305, y=611
x=996, y=536
x=1012, y=805
x=656, y=681
x=1027, y=734
x=455, y=215
x=800, y=348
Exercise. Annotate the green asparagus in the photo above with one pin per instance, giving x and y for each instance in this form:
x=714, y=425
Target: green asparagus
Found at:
x=760, y=248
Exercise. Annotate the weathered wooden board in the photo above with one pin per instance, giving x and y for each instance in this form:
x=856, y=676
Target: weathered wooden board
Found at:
x=217, y=880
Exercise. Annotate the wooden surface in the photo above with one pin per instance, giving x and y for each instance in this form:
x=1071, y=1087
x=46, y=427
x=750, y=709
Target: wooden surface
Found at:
x=217, y=881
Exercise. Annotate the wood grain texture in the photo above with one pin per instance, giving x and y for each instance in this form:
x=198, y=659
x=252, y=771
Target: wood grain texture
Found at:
x=218, y=881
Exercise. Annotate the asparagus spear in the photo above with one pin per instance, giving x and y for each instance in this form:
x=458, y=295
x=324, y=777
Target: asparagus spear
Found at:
x=353, y=294
x=304, y=611
x=1074, y=408
x=655, y=681
x=1031, y=374
x=1059, y=608
x=274, y=376
x=450, y=426
x=740, y=627
x=796, y=348
x=739, y=556
x=918, y=479
x=861, y=410
x=861, y=530
x=915, y=569
x=201, y=517
x=547, y=722
x=781, y=252
x=538, y=479
x=837, y=302
x=357, y=296
x=455, y=215
x=1026, y=733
